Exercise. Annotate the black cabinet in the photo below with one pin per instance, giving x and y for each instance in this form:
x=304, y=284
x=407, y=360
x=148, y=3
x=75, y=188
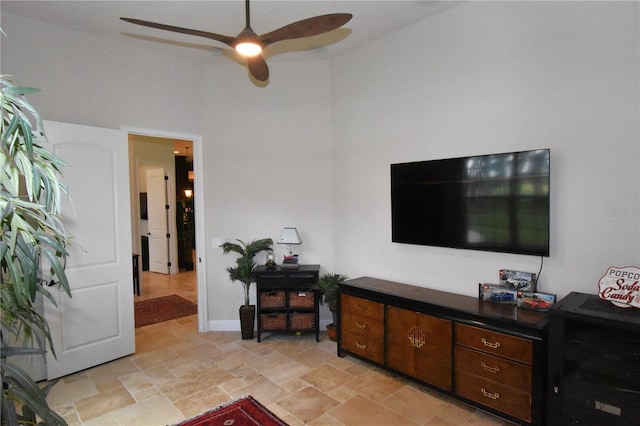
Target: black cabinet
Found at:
x=287, y=300
x=594, y=363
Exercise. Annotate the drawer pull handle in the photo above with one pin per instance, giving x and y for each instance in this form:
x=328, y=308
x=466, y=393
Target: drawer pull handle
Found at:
x=489, y=394
x=360, y=325
x=492, y=345
x=489, y=368
x=362, y=346
x=361, y=308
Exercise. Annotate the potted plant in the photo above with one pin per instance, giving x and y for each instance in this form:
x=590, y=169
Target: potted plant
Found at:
x=243, y=272
x=327, y=285
x=32, y=235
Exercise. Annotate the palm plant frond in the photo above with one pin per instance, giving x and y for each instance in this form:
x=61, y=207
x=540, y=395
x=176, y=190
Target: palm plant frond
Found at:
x=328, y=286
x=245, y=264
x=33, y=235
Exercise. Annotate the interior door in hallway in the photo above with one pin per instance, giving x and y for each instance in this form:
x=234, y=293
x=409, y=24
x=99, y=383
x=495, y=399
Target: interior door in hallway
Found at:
x=96, y=324
x=158, y=212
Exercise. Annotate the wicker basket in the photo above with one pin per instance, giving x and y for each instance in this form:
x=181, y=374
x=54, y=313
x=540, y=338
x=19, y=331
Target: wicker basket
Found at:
x=273, y=321
x=301, y=299
x=272, y=299
x=302, y=321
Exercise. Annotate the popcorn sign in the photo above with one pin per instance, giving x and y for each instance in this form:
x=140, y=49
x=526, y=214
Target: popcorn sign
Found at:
x=621, y=286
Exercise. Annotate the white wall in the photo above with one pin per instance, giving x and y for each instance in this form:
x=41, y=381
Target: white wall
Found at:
x=88, y=80
x=267, y=150
x=489, y=77
x=313, y=148
x=271, y=167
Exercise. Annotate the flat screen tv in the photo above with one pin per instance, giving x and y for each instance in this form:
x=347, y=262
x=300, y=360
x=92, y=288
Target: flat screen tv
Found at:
x=497, y=202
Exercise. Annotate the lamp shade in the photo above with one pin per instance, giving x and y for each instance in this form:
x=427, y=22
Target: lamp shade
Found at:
x=289, y=236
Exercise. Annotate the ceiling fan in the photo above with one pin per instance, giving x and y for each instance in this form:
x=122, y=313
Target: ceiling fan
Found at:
x=250, y=44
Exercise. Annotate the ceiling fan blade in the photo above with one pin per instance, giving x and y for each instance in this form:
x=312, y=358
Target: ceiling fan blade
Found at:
x=228, y=40
x=307, y=27
x=258, y=68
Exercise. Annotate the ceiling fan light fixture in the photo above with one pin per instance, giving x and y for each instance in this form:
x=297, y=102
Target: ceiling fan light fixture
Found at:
x=250, y=45
x=248, y=48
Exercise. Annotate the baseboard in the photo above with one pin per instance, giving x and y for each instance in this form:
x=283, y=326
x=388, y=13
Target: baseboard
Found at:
x=224, y=325
x=324, y=324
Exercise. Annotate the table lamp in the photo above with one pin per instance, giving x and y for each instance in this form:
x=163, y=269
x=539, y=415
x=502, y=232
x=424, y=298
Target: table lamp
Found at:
x=289, y=236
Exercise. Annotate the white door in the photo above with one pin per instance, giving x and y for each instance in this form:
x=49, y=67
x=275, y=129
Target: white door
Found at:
x=158, y=221
x=96, y=324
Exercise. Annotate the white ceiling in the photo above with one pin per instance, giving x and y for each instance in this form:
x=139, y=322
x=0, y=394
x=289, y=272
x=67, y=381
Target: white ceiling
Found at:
x=371, y=20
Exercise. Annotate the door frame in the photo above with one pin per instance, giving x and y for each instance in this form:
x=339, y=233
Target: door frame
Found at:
x=198, y=198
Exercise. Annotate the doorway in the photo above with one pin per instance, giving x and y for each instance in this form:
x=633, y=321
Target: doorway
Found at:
x=179, y=156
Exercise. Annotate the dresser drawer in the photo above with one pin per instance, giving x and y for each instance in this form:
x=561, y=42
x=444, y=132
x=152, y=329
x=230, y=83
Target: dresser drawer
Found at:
x=272, y=299
x=495, y=343
x=363, y=346
x=272, y=281
x=362, y=326
x=364, y=307
x=493, y=368
x=302, y=299
x=302, y=281
x=500, y=397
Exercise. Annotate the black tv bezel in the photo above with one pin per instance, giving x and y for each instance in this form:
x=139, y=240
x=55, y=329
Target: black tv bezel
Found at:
x=544, y=252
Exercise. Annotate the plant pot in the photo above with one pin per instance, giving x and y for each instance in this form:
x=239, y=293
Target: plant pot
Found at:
x=332, y=332
x=247, y=319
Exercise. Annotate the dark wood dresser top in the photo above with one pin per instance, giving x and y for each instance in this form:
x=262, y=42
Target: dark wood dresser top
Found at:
x=472, y=306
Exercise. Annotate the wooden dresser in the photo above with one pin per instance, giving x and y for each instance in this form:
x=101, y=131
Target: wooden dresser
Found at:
x=494, y=369
x=363, y=327
x=488, y=355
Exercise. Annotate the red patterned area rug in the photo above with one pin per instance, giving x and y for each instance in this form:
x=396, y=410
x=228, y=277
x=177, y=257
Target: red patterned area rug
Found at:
x=244, y=411
x=161, y=309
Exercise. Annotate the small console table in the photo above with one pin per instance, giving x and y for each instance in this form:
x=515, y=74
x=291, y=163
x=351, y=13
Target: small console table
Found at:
x=286, y=300
x=486, y=354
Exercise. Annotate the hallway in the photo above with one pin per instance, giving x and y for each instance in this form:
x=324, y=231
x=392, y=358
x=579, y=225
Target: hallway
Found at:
x=184, y=284
x=156, y=285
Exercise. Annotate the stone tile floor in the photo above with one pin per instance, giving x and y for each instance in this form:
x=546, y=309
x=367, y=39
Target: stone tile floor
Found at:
x=156, y=285
x=177, y=373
